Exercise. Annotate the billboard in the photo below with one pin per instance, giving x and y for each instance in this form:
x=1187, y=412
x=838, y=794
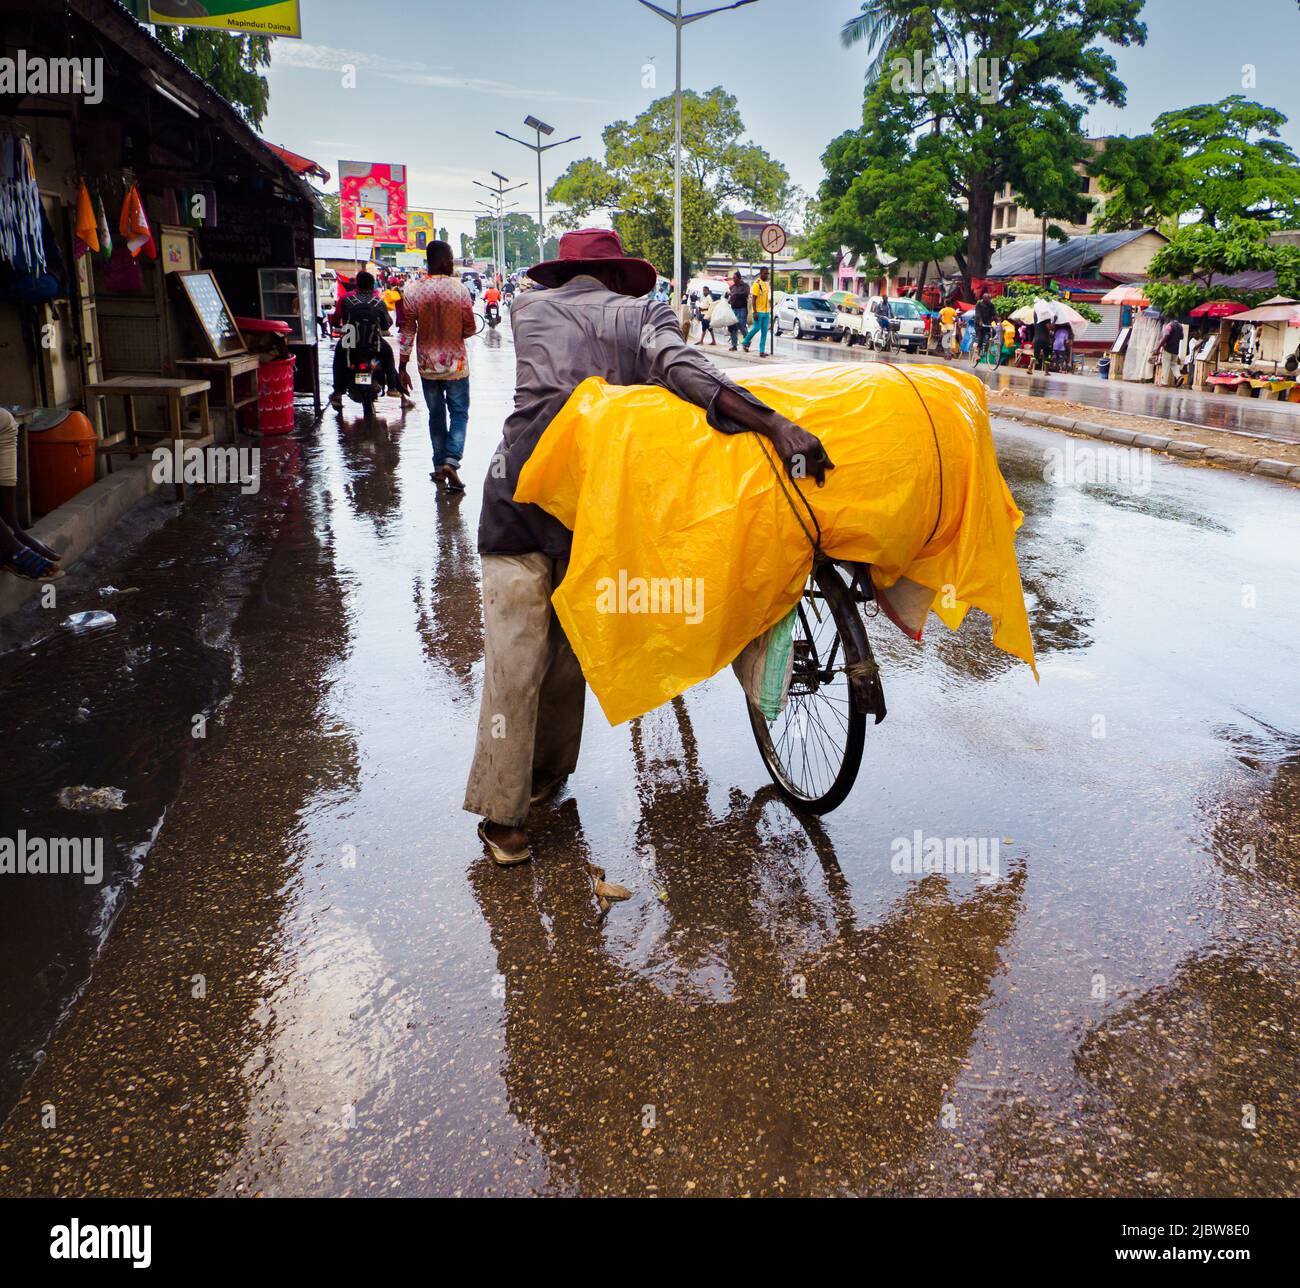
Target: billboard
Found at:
x=260, y=17
x=371, y=192
x=421, y=229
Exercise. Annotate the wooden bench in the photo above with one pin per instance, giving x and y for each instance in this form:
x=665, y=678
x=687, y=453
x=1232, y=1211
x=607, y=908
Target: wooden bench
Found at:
x=129, y=388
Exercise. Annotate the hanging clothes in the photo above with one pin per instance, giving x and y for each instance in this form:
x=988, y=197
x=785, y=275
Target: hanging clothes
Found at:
x=22, y=245
x=134, y=226
x=103, y=231
x=87, y=230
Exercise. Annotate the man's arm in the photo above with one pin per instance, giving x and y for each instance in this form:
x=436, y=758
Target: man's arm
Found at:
x=410, y=324
x=467, y=323
x=679, y=367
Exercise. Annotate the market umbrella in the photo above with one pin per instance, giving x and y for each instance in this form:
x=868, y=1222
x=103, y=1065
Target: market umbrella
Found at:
x=1025, y=313
x=1126, y=294
x=843, y=297
x=1063, y=314
x=1277, y=310
x=1218, y=309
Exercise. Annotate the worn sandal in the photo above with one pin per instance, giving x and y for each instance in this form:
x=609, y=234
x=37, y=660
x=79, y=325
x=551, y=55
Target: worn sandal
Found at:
x=504, y=858
x=30, y=566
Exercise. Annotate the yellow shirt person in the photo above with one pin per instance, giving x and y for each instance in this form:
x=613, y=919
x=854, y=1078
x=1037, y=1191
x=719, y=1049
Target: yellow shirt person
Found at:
x=760, y=296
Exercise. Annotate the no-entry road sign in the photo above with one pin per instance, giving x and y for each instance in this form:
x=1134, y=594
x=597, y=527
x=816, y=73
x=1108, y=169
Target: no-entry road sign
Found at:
x=772, y=239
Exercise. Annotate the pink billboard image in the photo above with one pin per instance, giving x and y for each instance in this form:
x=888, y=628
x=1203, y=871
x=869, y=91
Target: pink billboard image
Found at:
x=373, y=186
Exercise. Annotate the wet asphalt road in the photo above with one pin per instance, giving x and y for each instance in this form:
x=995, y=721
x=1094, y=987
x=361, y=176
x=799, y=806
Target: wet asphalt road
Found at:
x=1250, y=417
x=319, y=984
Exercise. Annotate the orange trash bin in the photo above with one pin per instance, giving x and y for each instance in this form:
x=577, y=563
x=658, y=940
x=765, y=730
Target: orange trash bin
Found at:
x=61, y=461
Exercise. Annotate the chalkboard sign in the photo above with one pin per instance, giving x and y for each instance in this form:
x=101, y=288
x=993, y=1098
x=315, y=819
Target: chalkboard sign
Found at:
x=211, y=312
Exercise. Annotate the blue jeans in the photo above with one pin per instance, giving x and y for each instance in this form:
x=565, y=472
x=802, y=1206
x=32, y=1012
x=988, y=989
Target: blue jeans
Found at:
x=447, y=400
x=759, y=325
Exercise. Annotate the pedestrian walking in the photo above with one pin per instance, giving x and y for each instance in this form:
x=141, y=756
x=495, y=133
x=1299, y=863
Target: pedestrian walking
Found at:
x=437, y=319
x=760, y=298
x=738, y=298
x=593, y=320
x=1044, y=329
x=1171, y=340
x=706, y=317
x=985, y=316
x=948, y=330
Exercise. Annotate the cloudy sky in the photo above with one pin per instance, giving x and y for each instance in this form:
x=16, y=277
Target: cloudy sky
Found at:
x=435, y=78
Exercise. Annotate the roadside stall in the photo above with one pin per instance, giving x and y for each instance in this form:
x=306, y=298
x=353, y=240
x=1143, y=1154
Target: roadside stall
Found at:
x=1261, y=356
x=1209, y=336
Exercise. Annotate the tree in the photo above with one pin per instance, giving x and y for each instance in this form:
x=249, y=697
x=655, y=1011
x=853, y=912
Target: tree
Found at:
x=634, y=181
x=466, y=246
x=1200, y=253
x=1017, y=294
x=882, y=26
x=521, y=240
x=996, y=102
x=444, y=236
x=1143, y=178
x=910, y=216
x=228, y=62
x=331, y=227
x=1220, y=161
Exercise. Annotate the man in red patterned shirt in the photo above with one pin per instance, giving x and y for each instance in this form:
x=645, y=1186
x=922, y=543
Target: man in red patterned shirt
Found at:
x=437, y=319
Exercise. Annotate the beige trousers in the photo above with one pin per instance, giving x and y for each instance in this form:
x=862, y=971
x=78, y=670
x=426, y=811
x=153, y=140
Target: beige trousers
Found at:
x=8, y=450
x=530, y=723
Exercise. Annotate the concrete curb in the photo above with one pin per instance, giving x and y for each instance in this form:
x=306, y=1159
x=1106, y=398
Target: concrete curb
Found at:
x=1242, y=462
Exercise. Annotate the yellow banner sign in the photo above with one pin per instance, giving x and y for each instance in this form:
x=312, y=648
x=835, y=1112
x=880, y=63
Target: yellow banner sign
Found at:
x=257, y=17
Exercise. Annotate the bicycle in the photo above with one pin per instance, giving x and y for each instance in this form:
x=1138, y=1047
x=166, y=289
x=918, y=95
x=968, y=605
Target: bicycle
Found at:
x=884, y=338
x=980, y=344
x=813, y=749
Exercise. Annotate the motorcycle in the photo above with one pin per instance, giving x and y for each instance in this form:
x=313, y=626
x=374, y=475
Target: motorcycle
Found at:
x=492, y=314
x=366, y=380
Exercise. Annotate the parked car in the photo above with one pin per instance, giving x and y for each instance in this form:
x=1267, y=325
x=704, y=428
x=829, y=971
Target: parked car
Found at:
x=850, y=324
x=805, y=315
x=910, y=332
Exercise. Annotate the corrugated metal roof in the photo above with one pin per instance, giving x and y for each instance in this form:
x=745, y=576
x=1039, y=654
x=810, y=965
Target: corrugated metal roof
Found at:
x=1072, y=257
x=1254, y=279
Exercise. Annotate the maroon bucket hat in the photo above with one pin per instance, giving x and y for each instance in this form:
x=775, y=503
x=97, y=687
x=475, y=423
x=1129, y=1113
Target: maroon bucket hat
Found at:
x=597, y=248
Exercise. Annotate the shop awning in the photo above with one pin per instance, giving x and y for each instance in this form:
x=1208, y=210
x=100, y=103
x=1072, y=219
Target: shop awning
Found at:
x=300, y=165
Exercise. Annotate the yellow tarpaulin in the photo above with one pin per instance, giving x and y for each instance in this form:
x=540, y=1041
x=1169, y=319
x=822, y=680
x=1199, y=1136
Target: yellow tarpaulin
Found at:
x=685, y=548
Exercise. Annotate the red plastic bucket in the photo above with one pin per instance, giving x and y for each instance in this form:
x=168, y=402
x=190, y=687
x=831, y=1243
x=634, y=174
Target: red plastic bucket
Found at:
x=275, y=396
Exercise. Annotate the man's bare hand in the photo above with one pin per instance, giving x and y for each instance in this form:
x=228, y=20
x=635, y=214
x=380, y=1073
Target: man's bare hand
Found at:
x=802, y=452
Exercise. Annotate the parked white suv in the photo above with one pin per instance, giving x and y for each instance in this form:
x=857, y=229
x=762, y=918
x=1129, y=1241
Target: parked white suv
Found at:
x=806, y=315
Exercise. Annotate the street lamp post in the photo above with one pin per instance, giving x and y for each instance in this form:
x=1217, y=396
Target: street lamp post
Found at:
x=539, y=147
x=499, y=192
x=680, y=20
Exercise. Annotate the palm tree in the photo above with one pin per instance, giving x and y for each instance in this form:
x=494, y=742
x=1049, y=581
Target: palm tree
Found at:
x=883, y=26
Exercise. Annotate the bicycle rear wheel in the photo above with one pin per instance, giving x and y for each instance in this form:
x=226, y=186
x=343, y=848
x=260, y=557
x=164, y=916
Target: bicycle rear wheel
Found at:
x=813, y=749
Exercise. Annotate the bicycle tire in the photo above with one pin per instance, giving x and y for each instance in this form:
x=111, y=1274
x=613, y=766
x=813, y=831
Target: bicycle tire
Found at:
x=852, y=637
